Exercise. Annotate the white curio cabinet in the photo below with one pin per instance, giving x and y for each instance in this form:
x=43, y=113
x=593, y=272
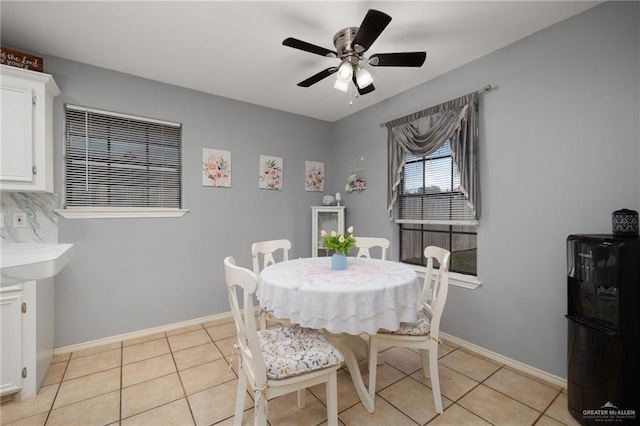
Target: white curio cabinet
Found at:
x=328, y=218
x=26, y=147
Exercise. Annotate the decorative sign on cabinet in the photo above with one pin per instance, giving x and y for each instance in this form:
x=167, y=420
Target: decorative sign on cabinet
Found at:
x=19, y=59
x=26, y=144
x=328, y=218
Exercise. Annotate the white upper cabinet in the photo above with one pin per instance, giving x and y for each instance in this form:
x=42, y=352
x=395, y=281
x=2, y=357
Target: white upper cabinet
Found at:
x=26, y=144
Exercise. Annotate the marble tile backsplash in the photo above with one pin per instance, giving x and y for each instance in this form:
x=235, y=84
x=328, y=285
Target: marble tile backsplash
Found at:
x=41, y=225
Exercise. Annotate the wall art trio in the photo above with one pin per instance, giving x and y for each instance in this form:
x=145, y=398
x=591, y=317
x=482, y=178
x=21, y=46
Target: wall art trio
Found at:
x=216, y=171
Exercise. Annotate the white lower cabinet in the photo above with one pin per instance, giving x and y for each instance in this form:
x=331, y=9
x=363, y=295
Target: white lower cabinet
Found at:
x=11, y=339
x=27, y=336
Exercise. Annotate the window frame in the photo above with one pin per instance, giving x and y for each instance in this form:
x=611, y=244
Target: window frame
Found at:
x=119, y=211
x=450, y=233
x=466, y=278
x=457, y=279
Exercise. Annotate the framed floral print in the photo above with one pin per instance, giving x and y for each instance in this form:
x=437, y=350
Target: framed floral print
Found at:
x=270, y=172
x=216, y=168
x=314, y=176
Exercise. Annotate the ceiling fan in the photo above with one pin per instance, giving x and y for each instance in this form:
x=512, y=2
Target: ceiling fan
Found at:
x=351, y=44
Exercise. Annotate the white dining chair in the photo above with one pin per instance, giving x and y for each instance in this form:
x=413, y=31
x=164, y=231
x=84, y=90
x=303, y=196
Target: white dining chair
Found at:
x=278, y=360
x=266, y=250
x=363, y=244
x=424, y=333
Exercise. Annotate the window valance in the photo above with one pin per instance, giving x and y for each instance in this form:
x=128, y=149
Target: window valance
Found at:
x=423, y=132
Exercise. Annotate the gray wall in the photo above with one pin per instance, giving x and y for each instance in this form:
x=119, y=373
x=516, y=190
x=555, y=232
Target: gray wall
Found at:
x=559, y=152
x=134, y=274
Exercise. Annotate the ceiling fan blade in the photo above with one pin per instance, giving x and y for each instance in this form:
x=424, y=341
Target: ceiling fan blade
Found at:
x=317, y=77
x=372, y=26
x=308, y=47
x=405, y=59
x=370, y=88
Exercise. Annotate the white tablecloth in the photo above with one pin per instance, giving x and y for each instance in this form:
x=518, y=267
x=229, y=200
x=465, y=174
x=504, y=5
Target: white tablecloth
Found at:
x=369, y=295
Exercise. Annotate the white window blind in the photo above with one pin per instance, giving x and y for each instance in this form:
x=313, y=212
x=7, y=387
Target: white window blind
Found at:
x=118, y=160
x=431, y=191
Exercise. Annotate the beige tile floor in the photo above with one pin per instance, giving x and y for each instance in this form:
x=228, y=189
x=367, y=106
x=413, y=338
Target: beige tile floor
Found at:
x=183, y=377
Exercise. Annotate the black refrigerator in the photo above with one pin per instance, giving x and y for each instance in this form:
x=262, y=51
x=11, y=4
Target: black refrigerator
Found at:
x=603, y=315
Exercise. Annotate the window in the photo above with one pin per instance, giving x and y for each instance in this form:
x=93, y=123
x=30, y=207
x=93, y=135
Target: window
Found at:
x=433, y=211
x=117, y=161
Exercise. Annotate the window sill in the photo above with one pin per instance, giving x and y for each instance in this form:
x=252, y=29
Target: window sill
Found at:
x=118, y=212
x=459, y=280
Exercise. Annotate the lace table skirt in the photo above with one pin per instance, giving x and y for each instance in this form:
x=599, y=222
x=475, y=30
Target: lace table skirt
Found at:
x=368, y=295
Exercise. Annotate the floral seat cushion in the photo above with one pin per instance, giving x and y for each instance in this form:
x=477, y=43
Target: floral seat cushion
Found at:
x=420, y=327
x=293, y=350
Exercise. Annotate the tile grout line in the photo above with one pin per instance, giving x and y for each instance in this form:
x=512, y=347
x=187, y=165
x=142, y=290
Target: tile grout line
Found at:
x=164, y=375
x=401, y=379
x=542, y=412
x=454, y=402
x=186, y=397
x=121, y=381
x=398, y=408
x=57, y=391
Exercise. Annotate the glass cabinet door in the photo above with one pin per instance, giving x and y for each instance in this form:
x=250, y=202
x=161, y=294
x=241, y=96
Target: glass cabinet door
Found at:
x=327, y=219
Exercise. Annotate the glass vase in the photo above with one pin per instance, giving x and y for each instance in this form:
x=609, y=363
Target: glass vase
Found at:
x=339, y=261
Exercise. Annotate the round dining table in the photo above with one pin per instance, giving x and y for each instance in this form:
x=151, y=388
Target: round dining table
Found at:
x=369, y=295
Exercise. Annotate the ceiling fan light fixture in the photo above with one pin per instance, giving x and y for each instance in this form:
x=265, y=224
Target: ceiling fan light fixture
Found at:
x=363, y=77
x=350, y=45
x=341, y=85
x=345, y=71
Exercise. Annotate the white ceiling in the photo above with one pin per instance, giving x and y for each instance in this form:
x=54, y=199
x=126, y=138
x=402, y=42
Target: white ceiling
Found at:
x=234, y=49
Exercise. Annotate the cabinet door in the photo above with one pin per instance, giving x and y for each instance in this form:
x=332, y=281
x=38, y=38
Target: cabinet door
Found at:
x=26, y=129
x=325, y=219
x=16, y=145
x=11, y=342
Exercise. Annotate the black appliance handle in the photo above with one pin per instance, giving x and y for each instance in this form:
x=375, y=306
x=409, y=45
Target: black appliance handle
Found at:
x=590, y=324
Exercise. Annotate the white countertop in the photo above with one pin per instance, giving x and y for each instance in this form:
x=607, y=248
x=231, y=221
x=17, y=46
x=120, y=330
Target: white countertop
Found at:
x=32, y=261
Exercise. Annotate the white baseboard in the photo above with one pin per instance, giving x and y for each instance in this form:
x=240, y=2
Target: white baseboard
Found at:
x=551, y=378
x=556, y=380
x=141, y=333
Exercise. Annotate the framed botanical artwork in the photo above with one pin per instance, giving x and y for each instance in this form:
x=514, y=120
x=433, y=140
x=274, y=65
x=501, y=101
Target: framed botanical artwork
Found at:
x=314, y=176
x=216, y=168
x=270, y=172
x=356, y=180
